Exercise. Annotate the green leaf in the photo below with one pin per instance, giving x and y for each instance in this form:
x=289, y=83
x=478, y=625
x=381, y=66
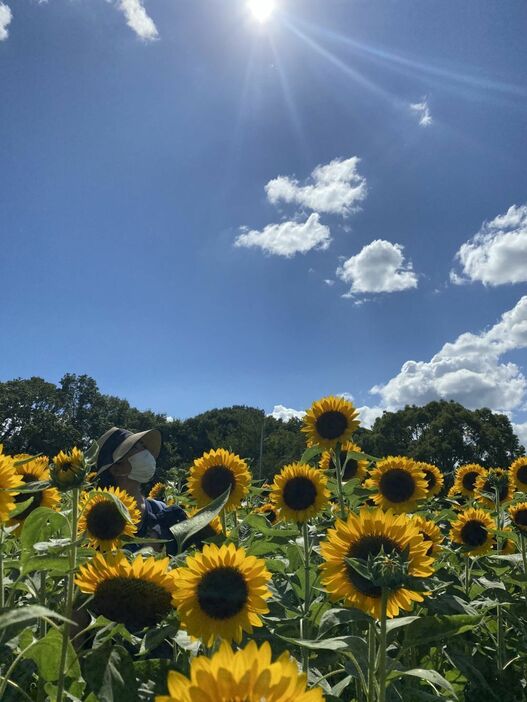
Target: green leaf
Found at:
x=360, y=456
x=46, y=654
x=153, y=674
x=430, y=676
x=9, y=616
x=154, y=637
x=21, y=507
x=35, y=486
x=55, y=565
x=42, y=523
x=23, y=461
x=399, y=622
x=184, y=530
x=436, y=628
x=109, y=672
x=339, y=643
x=334, y=617
x=310, y=453
x=91, y=453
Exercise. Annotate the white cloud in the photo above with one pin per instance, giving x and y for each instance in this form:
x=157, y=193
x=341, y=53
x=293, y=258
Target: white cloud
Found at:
x=469, y=370
x=336, y=188
x=497, y=254
x=379, y=267
x=329, y=282
x=286, y=413
x=137, y=19
x=288, y=238
x=5, y=18
x=423, y=112
x=368, y=415
x=521, y=432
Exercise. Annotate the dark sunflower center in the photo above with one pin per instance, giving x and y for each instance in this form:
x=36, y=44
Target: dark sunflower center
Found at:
x=222, y=593
x=23, y=496
x=368, y=546
x=430, y=479
x=521, y=475
x=104, y=521
x=427, y=538
x=520, y=518
x=474, y=534
x=397, y=485
x=216, y=480
x=331, y=425
x=299, y=493
x=469, y=480
x=134, y=602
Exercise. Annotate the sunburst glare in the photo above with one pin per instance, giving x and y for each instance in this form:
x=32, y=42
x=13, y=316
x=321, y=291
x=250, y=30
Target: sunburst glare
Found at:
x=261, y=9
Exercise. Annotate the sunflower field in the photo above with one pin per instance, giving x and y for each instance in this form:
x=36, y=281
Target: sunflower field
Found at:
x=350, y=578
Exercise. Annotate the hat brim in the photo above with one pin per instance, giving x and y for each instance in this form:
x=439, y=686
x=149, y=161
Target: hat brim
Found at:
x=151, y=438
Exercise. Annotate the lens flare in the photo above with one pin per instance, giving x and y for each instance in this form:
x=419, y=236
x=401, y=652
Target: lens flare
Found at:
x=261, y=9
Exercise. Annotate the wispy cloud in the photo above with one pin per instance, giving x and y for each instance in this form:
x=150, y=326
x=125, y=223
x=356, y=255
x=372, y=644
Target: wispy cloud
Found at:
x=380, y=267
x=287, y=238
x=137, y=19
x=497, y=254
x=5, y=18
x=333, y=188
x=423, y=112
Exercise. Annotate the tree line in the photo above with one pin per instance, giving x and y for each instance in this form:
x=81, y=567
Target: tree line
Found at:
x=37, y=416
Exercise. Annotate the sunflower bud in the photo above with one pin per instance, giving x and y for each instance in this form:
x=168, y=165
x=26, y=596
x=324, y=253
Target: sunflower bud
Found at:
x=68, y=470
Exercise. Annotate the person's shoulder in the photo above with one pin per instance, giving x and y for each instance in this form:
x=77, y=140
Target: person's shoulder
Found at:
x=166, y=514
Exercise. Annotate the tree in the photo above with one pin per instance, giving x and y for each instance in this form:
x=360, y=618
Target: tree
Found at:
x=444, y=433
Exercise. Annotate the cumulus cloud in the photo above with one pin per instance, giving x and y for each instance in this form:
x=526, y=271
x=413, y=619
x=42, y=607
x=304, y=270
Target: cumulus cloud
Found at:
x=497, y=254
x=368, y=415
x=137, y=19
x=469, y=370
x=5, y=18
x=521, y=432
x=288, y=238
x=423, y=113
x=285, y=413
x=333, y=188
x=379, y=267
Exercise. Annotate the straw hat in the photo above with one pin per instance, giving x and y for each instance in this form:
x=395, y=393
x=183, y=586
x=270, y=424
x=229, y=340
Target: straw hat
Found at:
x=115, y=444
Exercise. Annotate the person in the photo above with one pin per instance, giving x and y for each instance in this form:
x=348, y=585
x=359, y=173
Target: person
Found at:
x=127, y=460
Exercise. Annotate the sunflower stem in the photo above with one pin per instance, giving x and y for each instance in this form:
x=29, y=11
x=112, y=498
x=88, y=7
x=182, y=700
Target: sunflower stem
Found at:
x=307, y=596
x=69, y=593
x=382, y=646
x=223, y=518
x=338, y=471
x=2, y=603
x=467, y=576
x=524, y=553
x=499, y=613
x=370, y=692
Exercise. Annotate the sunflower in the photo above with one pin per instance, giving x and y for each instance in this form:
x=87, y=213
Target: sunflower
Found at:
x=430, y=533
x=68, y=469
x=474, y=530
x=330, y=420
x=299, y=492
x=221, y=592
x=268, y=511
x=9, y=481
x=433, y=476
x=465, y=479
x=496, y=478
x=136, y=594
x=399, y=484
x=351, y=467
x=31, y=472
x=157, y=492
x=103, y=521
x=247, y=674
x=216, y=471
x=518, y=515
x=518, y=473
x=364, y=536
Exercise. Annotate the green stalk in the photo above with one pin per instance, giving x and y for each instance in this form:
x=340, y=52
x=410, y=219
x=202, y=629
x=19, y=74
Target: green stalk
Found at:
x=69, y=593
x=467, y=576
x=524, y=554
x=338, y=471
x=371, y=661
x=223, y=519
x=307, y=596
x=382, y=646
x=499, y=613
x=2, y=601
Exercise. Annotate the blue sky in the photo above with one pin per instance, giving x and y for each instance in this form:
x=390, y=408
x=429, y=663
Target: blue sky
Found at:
x=201, y=210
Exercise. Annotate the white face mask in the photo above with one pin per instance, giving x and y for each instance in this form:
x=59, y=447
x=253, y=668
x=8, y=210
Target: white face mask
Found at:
x=143, y=466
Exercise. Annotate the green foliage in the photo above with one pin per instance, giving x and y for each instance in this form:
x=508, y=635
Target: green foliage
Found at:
x=445, y=434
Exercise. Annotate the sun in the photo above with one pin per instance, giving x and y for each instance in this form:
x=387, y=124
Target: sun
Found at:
x=261, y=9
